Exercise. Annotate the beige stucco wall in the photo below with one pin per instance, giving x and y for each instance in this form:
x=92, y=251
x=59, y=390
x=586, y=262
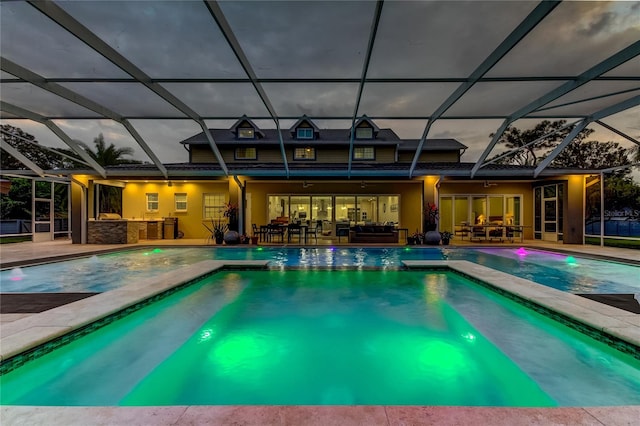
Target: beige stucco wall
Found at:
x=189, y=222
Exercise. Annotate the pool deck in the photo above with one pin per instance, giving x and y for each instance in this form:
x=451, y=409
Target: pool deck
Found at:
x=19, y=332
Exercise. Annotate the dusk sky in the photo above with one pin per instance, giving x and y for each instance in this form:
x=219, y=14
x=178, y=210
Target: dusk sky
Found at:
x=315, y=40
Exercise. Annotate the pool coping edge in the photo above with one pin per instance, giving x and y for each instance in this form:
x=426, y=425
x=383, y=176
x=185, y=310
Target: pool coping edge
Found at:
x=27, y=334
x=606, y=320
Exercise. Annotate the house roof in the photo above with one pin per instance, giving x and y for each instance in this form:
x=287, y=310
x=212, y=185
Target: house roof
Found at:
x=326, y=137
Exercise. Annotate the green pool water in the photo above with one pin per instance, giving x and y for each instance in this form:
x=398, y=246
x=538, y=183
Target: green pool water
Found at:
x=330, y=337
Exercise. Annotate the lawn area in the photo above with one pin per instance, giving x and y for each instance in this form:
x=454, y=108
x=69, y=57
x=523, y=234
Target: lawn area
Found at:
x=614, y=242
x=9, y=240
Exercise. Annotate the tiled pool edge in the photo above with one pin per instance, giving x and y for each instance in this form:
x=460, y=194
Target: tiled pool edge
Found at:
x=615, y=327
x=316, y=415
x=29, y=338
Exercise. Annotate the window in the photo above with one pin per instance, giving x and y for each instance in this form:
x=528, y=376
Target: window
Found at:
x=213, y=206
x=364, y=153
x=180, y=202
x=246, y=154
x=307, y=153
x=152, y=201
x=364, y=133
x=305, y=133
x=246, y=133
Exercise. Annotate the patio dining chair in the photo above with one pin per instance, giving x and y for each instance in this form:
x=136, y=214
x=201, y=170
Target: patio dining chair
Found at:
x=315, y=230
x=292, y=230
x=478, y=232
x=259, y=232
x=275, y=230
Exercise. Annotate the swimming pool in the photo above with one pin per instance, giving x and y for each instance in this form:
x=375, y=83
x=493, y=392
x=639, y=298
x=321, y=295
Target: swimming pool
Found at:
x=109, y=271
x=330, y=337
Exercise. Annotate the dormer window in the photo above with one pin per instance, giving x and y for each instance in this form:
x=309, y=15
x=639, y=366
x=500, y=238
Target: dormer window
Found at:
x=364, y=133
x=246, y=133
x=304, y=133
x=366, y=129
x=304, y=129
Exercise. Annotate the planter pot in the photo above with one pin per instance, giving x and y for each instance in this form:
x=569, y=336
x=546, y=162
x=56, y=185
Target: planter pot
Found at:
x=231, y=237
x=254, y=241
x=411, y=241
x=219, y=239
x=432, y=238
x=445, y=242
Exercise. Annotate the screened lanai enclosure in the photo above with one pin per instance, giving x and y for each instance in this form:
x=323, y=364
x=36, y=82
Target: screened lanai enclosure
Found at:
x=149, y=74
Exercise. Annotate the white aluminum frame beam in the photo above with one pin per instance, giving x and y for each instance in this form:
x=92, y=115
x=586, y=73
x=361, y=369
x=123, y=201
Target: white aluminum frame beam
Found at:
x=365, y=69
x=227, y=32
x=608, y=64
x=46, y=148
x=21, y=112
x=70, y=24
x=614, y=130
x=70, y=95
x=21, y=158
x=613, y=109
x=529, y=23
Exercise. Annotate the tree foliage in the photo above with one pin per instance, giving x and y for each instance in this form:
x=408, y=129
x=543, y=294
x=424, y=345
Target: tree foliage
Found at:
x=531, y=155
x=17, y=203
x=621, y=192
x=592, y=155
x=105, y=155
x=15, y=137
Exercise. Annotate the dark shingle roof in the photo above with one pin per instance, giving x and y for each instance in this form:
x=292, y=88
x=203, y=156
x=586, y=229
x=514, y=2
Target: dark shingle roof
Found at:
x=341, y=137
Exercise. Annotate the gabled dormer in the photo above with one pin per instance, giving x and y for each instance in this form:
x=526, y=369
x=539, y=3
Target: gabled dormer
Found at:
x=244, y=128
x=304, y=129
x=366, y=129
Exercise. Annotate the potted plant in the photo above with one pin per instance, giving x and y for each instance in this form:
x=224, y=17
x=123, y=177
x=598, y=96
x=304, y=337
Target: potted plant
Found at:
x=219, y=229
x=431, y=237
x=431, y=217
x=415, y=238
x=446, y=237
x=231, y=213
x=244, y=239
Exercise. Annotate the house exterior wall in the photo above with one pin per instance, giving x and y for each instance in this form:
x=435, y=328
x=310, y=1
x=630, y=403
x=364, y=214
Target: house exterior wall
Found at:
x=384, y=154
x=574, y=210
x=189, y=222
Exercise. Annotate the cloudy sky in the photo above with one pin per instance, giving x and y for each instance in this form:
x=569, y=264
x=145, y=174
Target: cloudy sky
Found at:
x=289, y=40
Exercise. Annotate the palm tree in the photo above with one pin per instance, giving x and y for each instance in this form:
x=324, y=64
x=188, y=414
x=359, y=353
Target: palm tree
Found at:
x=110, y=197
x=109, y=155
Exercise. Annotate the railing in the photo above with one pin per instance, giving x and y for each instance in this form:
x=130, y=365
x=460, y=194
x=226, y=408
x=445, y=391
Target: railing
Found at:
x=23, y=226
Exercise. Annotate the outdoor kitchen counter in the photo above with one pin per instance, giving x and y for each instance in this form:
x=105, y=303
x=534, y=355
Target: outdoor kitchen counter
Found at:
x=112, y=231
x=123, y=231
